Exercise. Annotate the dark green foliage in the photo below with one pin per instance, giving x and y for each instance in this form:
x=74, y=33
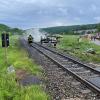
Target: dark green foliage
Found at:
x=68, y=29
x=16, y=31
x=98, y=27
x=5, y=28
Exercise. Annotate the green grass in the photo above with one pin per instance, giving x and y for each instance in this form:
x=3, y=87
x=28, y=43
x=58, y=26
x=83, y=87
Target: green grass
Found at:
x=9, y=89
x=70, y=44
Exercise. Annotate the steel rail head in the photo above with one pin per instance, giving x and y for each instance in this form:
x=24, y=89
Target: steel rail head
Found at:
x=79, y=78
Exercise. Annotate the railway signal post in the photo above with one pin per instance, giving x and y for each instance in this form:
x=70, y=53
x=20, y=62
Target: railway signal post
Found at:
x=5, y=44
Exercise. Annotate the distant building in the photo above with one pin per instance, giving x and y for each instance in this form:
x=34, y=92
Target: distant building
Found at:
x=86, y=31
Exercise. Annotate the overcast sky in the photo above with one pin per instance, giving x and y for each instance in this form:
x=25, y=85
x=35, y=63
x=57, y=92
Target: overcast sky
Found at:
x=44, y=13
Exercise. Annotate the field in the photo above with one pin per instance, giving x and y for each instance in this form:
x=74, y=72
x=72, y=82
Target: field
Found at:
x=18, y=58
x=70, y=45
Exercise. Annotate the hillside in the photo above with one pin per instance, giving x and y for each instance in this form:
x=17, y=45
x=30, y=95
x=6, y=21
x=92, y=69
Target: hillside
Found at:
x=9, y=29
x=69, y=29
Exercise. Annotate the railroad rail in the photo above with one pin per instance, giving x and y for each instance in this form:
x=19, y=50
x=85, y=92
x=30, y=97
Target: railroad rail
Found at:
x=82, y=72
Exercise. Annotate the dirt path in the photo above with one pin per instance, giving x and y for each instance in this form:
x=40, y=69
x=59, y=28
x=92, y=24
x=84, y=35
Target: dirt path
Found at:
x=97, y=42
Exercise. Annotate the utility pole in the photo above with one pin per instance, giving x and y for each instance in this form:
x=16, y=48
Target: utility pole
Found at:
x=6, y=62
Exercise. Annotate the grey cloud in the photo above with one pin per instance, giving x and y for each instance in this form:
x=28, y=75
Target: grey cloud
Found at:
x=42, y=13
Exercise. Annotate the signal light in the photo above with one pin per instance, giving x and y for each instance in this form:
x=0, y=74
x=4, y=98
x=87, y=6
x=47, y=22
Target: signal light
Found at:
x=5, y=39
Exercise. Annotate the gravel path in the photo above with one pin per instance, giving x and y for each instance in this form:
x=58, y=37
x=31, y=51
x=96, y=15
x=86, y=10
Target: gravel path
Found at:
x=97, y=42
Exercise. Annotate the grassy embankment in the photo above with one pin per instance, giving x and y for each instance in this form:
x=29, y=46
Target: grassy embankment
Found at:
x=9, y=89
x=70, y=44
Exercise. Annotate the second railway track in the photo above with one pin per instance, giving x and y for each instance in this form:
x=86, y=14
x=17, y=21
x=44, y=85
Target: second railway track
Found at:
x=83, y=73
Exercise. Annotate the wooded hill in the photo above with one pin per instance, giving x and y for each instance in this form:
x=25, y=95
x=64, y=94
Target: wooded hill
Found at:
x=9, y=29
x=69, y=29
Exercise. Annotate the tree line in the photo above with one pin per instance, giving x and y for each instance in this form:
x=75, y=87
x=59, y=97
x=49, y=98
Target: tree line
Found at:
x=5, y=28
x=70, y=29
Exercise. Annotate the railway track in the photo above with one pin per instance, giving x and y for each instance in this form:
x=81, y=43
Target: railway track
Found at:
x=83, y=73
